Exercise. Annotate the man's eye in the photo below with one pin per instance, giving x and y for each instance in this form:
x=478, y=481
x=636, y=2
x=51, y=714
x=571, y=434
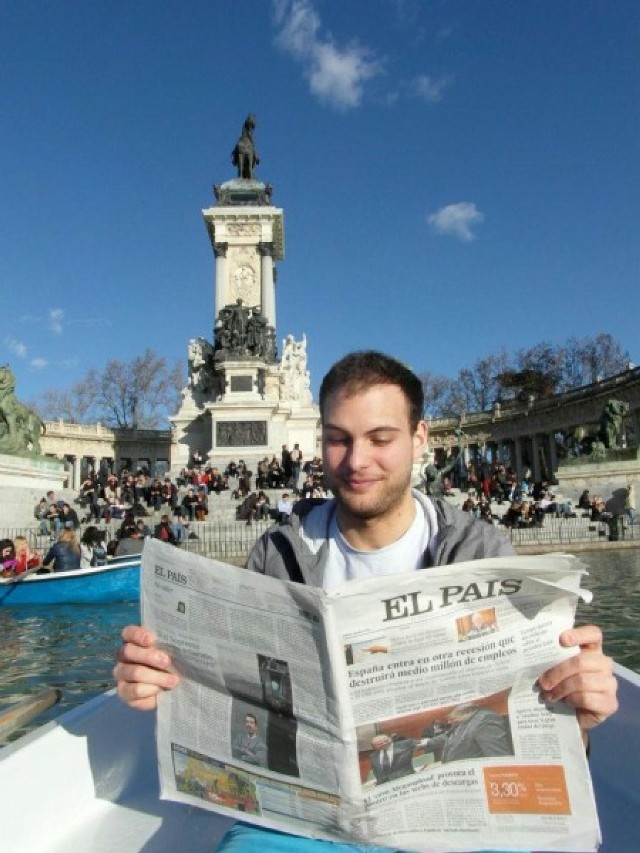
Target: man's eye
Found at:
x=336, y=439
x=378, y=441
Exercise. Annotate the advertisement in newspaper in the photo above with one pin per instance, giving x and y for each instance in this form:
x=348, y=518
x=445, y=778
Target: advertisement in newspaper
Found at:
x=400, y=711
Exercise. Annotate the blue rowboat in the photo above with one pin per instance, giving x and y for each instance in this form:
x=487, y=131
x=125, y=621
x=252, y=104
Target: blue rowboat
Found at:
x=119, y=580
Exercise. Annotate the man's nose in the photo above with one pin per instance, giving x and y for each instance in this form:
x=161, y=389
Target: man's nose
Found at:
x=359, y=454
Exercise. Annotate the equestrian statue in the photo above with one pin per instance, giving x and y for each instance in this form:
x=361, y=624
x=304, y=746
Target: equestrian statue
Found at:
x=245, y=155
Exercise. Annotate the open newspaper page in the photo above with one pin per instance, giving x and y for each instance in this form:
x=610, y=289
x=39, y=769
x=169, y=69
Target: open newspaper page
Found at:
x=253, y=730
x=455, y=749
x=399, y=711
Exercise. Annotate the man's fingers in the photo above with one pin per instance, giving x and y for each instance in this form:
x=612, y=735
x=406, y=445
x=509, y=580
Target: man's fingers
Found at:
x=586, y=636
x=145, y=676
x=131, y=653
x=138, y=635
x=591, y=665
x=141, y=697
x=599, y=689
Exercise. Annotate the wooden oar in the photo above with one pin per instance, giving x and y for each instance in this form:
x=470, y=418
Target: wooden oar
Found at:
x=23, y=712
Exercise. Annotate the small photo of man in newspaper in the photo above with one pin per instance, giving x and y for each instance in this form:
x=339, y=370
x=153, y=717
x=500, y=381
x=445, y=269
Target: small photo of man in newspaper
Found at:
x=248, y=744
x=264, y=738
x=407, y=745
x=480, y=623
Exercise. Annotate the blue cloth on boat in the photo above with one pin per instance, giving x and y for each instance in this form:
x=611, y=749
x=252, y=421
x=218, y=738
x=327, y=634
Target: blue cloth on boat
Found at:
x=244, y=838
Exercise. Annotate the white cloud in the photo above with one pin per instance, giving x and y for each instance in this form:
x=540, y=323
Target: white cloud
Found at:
x=336, y=75
x=39, y=363
x=430, y=89
x=456, y=220
x=16, y=347
x=56, y=316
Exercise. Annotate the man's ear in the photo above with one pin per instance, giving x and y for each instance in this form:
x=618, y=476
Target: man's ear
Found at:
x=420, y=439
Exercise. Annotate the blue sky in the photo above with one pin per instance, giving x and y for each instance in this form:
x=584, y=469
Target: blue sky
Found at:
x=456, y=177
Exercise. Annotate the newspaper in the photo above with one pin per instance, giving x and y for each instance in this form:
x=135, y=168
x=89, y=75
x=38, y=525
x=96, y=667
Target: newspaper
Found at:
x=400, y=711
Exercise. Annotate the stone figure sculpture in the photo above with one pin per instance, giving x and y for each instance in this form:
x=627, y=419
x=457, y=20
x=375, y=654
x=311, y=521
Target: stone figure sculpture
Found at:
x=20, y=426
x=257, y=332
x=295, y=381
x=611, y=422
x=244, y=331
x=200, y=355
x=245, y=155
x=433, y=476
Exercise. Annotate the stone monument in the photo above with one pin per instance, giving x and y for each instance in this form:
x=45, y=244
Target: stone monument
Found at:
x=25, y=474
x=244, y=398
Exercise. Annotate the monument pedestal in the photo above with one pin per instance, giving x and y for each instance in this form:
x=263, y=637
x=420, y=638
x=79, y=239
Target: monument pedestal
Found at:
x=608, y=478
x=23, y=481
x=248, y=421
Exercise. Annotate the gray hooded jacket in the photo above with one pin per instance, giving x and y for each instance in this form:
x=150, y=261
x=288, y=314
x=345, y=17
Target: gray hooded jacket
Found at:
x=296, y=549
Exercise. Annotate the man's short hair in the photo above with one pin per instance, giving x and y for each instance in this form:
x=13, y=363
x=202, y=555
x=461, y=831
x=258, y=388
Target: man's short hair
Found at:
x=359, y=370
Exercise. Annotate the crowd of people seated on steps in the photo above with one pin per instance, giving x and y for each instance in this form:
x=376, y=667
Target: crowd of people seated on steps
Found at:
x=131, y=497
x=597, y=509
x=528, y=502
x=106, y=496
x=256, y=506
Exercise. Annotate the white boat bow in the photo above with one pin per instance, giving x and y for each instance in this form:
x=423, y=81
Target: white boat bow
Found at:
x=88, y=782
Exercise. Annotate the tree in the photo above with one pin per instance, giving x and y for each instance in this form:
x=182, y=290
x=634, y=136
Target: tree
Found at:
x=436, y=390
x=129, y=395
x=73, y=405
x=527, y=383
x=590, y=359
x=542, y=366
x=476, y=389
x=539, y=371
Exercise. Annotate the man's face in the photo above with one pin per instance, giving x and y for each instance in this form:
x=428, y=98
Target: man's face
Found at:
x=250, y=725
x=380, y=742
x=368, y=451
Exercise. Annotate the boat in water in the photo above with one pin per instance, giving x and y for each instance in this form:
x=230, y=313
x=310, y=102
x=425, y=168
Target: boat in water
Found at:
x=88, y=781
x=119, y=580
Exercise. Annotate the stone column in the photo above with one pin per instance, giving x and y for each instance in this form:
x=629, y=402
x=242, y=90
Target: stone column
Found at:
x=553, y=455
x=267, y=289
x=517, y=446
x=75, y=469
x=536, y=471
x=636, y=427
x=220, y=289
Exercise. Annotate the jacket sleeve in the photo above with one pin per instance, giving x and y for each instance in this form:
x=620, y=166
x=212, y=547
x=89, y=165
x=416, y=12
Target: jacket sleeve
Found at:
x=256, y=559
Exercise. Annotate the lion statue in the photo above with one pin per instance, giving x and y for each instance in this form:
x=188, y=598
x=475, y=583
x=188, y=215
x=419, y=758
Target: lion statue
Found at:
x=20, y=426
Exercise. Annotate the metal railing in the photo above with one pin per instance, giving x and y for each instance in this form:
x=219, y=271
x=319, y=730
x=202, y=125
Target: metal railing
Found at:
x=567, y=531
x=225, y=540
x=221, y=540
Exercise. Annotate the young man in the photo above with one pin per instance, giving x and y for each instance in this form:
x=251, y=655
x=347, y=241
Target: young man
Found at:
x=372, y=431
x=248, y=745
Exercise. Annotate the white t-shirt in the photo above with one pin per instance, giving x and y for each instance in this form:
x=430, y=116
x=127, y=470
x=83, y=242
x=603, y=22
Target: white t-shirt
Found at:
x=345, y=563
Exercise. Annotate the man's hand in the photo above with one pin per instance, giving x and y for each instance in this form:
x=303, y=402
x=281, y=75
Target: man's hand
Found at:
x=585, y=681
x=142, y=670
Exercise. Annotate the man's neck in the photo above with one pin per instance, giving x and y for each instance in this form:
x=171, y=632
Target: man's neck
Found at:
x=372, y=534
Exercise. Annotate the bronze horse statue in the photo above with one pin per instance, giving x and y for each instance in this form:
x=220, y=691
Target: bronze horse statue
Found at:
x=245, y=155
